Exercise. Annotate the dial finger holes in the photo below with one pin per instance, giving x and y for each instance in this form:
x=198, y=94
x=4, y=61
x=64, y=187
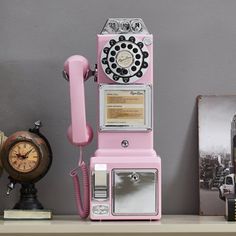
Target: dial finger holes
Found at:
x=140, y=74
x=125, y=80
x=112, y=42
x=123, y=45
x=106, y=50
x=104, y=61
x=145, y=54
x=115, y=77
x=121, y=38
x=117, y=48
x=145, y=65
x=111, y=59
x=125, y=59
x=113, y=65
x=140, y=44
x=113, y=53
x=130, y=46
x=124, y=72
x=132, y=39
x=108, y=70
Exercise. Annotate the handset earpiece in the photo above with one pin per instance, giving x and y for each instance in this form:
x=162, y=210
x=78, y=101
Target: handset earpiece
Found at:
x=89, y=135
x=79, y=133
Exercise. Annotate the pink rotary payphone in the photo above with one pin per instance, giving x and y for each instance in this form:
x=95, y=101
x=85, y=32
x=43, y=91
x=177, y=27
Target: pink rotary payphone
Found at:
x=124, y=179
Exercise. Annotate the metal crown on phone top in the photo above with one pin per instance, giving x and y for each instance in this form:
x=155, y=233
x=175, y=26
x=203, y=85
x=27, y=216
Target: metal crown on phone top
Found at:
x=124, y=26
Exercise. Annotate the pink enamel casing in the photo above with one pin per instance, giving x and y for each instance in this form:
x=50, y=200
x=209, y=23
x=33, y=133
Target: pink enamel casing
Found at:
x=79, y=133
x=139, y=154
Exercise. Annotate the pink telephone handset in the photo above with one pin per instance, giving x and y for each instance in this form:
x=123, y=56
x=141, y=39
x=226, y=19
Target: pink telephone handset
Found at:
x=79, y=133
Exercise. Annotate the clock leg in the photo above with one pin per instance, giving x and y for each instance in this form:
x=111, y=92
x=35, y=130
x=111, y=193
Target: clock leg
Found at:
x=28, y=198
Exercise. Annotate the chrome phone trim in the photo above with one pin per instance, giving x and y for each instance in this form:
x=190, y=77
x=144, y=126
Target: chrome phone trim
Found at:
x=134, y=170
x=116, y=127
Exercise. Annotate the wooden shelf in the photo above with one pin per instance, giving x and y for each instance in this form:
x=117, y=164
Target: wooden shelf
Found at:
x=169, y=225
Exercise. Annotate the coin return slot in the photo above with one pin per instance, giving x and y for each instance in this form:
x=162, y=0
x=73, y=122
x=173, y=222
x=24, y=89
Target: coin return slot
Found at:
x=100, y=189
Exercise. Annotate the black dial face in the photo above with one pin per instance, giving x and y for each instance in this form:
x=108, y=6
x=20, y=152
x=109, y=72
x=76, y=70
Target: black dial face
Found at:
x=125, y=59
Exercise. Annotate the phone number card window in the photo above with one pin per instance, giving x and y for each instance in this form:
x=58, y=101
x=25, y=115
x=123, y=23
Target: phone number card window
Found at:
x=125, y=107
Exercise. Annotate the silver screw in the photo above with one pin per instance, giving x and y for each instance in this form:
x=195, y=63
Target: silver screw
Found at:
x=147, y=41
x=134, y=177
x=125, y=143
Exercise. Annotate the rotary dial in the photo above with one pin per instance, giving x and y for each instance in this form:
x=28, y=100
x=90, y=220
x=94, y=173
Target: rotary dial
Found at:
x=125, y=59
x=24, y=157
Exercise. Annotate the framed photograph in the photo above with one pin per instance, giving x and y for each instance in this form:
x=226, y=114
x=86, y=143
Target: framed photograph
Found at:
x=217, y=131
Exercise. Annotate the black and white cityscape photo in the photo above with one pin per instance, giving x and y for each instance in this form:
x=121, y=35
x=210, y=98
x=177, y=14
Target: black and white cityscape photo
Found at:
x=217, y=129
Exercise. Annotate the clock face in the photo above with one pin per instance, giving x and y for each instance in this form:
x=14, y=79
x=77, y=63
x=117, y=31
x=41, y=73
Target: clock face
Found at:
x=24, y=156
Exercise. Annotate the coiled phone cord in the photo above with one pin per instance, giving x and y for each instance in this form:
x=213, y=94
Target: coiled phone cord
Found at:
x=82, y=206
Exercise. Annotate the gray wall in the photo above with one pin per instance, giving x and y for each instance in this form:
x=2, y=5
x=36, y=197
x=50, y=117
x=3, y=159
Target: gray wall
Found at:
x=195, y=54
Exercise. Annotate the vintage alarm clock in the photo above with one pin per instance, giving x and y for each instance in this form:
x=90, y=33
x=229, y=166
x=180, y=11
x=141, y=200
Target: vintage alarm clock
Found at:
x=26, y=156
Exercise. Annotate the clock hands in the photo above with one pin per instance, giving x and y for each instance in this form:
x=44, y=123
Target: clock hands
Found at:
x=24, y=156
x=27, y=153
x=19, y=155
